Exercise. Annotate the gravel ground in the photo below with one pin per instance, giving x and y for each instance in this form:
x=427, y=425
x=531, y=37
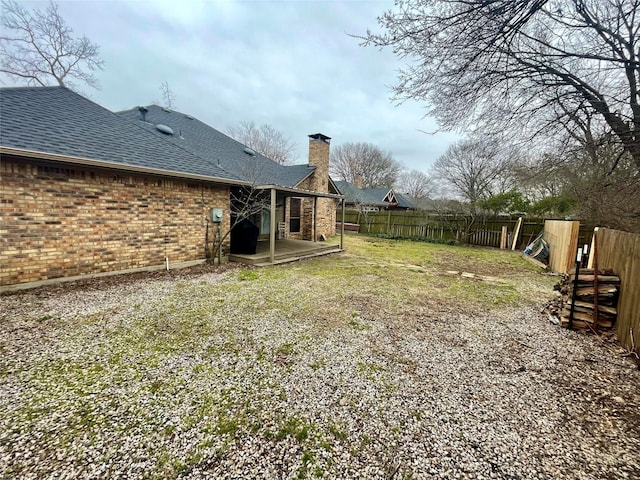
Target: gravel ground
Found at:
x=249, y=374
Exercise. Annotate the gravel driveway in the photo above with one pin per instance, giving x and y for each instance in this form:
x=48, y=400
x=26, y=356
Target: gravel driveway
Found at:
x=307, y=371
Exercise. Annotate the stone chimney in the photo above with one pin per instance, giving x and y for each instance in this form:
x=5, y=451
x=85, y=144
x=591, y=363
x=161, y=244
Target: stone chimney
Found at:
x=319, y=158
x=357, y=181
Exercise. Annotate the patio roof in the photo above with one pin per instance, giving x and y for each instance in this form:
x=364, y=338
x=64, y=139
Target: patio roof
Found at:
x=299, y=192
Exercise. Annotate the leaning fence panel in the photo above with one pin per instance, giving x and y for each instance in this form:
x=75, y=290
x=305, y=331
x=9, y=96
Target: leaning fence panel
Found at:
x=620, y=251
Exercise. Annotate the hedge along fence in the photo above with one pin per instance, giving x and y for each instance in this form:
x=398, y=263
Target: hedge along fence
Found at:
x=484, y=230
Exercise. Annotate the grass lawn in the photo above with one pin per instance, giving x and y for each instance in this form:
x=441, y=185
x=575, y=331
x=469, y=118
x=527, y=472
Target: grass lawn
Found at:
x=387, y=361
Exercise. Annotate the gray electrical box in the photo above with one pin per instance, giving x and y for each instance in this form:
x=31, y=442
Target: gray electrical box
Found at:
x=216, y=215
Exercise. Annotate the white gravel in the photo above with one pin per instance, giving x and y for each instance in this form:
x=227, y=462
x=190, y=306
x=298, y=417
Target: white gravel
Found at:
x=167, y=378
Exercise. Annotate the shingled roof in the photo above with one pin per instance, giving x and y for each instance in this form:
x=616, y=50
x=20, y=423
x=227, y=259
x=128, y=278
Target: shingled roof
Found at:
x=404, y=200
x=55, y=120
x=377, y=197
x=207, y=142
x=364, y=196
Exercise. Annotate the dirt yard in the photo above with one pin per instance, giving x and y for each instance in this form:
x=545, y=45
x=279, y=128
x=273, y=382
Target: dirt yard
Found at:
x=394, y=360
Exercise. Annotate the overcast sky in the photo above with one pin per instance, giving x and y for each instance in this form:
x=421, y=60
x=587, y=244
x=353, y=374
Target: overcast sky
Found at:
x=290, y=64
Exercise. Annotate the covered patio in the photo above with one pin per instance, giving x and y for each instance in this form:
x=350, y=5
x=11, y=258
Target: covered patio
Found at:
x=273, y=248
x=286, y=250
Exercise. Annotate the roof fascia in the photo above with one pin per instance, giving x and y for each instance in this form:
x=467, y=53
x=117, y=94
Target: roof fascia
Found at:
x=389, y=195
x=298, y=192
x=332, y=183
x=87, y=162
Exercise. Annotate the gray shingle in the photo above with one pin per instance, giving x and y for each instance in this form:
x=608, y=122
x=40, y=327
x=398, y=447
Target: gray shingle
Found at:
x=209, y=143
x=404, y=200
x=367, y=196
x=59, y=121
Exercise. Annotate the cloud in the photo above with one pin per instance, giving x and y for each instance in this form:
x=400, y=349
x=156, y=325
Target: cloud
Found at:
x=290, y=64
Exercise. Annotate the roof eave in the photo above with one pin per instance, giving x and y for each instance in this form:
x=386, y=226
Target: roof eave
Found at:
x=333, y=184
x=88, y=162
x=299, y=191
x=307, y=175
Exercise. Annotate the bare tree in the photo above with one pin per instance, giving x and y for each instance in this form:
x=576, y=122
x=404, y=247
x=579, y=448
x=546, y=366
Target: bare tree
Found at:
x=38, y=47
x=598, y=181
x=418, y=185
x=472, y=169
x=375, y=167
x=489, y=63
x=246, y=202
x=264, y=139
x=168, y=97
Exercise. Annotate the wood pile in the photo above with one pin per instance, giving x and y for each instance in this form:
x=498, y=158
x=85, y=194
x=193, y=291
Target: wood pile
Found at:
x=586, y=299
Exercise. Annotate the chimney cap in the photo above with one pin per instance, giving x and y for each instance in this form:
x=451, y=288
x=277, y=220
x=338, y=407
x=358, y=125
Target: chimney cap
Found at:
x=320, y=136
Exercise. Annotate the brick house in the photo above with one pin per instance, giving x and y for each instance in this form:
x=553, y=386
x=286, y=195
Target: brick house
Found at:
x=87, y=191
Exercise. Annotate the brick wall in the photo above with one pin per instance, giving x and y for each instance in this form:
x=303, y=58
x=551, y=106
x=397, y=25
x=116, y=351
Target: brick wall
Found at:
x=319, y=182
x=66, y=221
x=319, y=158
x=326, y=221
x=325, y=218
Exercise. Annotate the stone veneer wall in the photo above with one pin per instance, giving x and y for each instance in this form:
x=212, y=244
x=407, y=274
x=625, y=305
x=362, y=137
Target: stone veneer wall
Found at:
x=319, y=158
x=66, y=221
x=319, y=182
x=326, y=218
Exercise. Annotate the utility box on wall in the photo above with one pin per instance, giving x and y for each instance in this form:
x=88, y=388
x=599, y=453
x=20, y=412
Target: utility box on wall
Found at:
x=216, y=215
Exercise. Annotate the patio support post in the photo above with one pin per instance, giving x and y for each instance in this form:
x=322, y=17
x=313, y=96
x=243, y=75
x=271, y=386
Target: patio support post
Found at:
x=342, y=226
x=272, y=229
x=315, y=218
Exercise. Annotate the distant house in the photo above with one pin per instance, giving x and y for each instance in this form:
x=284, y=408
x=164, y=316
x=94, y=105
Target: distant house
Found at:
x=87, y=191
x=373, y=199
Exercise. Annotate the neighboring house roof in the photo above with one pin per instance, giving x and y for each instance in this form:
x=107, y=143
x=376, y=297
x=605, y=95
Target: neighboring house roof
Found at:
x=362, y=196
x=379, y=197
x=357, y=196
x=207, y=142
x=38, y=121
x=404, y=200
x=383, y=195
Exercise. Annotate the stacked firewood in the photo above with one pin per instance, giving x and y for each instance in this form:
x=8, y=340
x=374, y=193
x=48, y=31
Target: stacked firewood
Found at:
x=591, y=292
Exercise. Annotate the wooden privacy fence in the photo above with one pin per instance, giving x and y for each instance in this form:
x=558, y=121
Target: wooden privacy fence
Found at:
x=620, y=252
x=429, y=231
x=487, y=238
x=481, y=230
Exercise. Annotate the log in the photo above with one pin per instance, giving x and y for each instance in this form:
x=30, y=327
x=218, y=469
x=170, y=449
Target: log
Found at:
x=590, y=271
x=584, y=319
x=564, y=321
x=590, y=306
x=588, y=311
x=604, y=279
x=603, y=291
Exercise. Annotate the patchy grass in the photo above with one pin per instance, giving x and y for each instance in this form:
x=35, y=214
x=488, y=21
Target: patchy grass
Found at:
x=176, y=375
